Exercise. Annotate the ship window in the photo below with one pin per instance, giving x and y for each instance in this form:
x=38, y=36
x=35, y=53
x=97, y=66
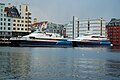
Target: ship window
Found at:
x=102, y=37
x=32, y=37
x=95, y=36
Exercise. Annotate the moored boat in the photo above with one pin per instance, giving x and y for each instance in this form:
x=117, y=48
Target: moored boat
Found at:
x=41, y=39
x=91, y=40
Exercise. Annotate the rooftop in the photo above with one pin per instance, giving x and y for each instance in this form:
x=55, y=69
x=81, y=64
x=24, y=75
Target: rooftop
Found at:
x=12, y=12
x=2, y=4
x=114, y=22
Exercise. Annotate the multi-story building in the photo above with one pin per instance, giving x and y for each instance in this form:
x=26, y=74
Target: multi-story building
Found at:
x=72, y=28
x=22, y=24
x=95, y=26
x=55, y=28
x=113, y=31
x=5, y=23
x=49, y=27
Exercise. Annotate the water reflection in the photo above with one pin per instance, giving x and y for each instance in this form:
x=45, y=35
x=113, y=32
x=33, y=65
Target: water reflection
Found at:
x=115, y=47
x=14, y=66
x=113, y=68
x=59, y=64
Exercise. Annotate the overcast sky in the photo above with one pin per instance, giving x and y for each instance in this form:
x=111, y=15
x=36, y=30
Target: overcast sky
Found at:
x=61, y=11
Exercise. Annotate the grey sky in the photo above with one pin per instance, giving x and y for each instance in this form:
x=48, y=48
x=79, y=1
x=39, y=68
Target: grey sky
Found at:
x=61, y=11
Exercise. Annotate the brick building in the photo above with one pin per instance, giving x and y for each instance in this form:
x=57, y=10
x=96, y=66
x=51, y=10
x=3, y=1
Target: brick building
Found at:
x=113, y=31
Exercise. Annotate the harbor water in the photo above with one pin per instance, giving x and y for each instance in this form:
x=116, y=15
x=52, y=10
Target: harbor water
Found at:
x=79, y=63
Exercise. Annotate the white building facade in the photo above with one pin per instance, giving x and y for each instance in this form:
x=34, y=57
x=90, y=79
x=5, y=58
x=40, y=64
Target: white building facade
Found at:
x=5, y=23
x=95, y=26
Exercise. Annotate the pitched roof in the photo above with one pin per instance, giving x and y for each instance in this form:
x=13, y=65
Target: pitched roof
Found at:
x=12, y=12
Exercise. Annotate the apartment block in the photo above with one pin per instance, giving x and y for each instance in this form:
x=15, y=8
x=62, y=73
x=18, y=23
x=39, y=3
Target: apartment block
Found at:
x=79, y=27
x=5, y=23
x=22, y=24
x=113, y=31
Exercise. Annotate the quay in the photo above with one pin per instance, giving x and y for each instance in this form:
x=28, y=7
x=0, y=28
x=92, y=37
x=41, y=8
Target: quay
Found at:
x=5, y=43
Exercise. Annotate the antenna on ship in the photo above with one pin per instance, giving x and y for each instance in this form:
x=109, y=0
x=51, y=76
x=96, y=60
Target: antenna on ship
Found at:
x=88, y=24
x=101, y=26
x=73, y=25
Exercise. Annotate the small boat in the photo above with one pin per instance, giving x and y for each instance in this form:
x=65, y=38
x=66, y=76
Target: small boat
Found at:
x=89, y=39
x=41, y=39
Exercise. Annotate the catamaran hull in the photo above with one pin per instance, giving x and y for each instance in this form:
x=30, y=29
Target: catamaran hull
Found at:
x=97, y=43
x=26, y=43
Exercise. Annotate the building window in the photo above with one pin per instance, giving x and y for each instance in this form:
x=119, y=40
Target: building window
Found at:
x=21, y=28
x=14, y=28
x=8, y=19
x=22, y=21
x=17, y=24
x=14, y=24
x=4, y=23
x=4, y=19
x=4, y=28
x=1, y=14
x=4, y=15
x=25, y=21
x=8, y=24
x=8, y=33
x=25, y=25
x=18, y=20
x=1, y=23
x=14, y=20
x=29, y=17
x=20, y=7
x=26, y=18
x=18, y=28
x=1, y=19
x=1, y=6
x=8, y=28
x=1, y=10
x=26, y=29
x=29, y=21
x=1, y=28
x=26, y=8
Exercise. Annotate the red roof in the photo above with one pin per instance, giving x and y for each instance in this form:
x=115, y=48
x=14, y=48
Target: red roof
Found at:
x=39, y=23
